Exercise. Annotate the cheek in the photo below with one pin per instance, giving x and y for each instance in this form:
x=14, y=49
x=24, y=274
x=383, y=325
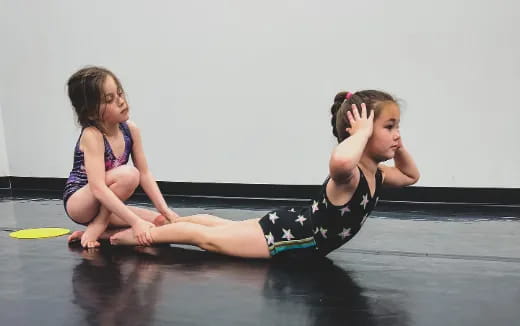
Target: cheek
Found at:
x=379, y=140
x=106, y=110
x=102, y=109
x=377, y=136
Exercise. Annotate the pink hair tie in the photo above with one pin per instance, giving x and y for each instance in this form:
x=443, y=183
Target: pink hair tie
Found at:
x=348, y=96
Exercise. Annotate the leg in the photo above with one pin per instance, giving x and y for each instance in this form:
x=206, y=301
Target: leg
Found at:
x=204, y=219
x=117, y=223
x=82, y=206
x=122, y=181
x=241, y=239
x=146, y=214
x=95, y=229
x=76, y=235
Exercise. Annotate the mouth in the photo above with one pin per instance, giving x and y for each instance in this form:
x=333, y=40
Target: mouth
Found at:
x=124, y=111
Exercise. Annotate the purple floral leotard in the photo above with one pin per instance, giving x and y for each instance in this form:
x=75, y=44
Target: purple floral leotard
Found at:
x=78, y=176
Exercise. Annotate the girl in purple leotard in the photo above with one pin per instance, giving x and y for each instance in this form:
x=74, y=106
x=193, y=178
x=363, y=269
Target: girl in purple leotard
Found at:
x=101, y=179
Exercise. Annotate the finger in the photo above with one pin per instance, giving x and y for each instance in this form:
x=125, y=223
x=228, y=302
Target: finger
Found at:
x=148, y=239
x=371, y=116
x=141, y=240
x=350, y=118
x=363, y=111
x=355, y=112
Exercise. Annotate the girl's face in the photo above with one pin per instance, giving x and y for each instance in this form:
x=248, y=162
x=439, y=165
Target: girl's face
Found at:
x=114, y=108
x=386, y=137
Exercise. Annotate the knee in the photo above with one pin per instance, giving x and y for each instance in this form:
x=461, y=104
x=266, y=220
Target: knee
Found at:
x=124, y=181
x=128, y=176
x=207, y=241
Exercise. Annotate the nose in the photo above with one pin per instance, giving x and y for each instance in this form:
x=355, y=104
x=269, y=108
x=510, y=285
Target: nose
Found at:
x=120, y=99
x=397, y=134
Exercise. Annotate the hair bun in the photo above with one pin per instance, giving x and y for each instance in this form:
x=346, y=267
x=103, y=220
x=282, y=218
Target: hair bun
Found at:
x=340, y=97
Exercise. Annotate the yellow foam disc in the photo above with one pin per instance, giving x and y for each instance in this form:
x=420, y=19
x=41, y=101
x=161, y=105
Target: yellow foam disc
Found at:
x=39, y=233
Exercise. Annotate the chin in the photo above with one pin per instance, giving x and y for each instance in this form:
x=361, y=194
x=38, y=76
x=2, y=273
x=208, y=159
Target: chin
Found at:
x=383, y=158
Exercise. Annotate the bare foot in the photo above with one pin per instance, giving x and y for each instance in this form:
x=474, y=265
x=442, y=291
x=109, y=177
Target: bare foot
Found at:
x=87, y=241
x=74, y=237
x=78, y=236
x=90, y=244
x=124, y=238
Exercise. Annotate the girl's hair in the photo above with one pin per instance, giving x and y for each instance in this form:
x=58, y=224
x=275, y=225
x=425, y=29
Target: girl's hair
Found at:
x=374, y=101
x=85, y=88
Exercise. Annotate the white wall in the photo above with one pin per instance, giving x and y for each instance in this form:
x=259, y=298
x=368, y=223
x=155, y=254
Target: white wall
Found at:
x=4, y=162
x=239, y=91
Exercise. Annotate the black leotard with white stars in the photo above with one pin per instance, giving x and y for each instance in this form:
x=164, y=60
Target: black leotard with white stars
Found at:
x=320, y=227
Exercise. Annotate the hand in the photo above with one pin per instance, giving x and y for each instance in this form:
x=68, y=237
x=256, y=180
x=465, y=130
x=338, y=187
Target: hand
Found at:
x=361, y=123
x=170, y=215
x=142, y=232
x=399, y=144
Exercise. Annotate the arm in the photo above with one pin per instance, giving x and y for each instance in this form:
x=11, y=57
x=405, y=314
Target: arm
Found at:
x=147, y=180
x=93, y=149
x=345, y=157
x=404, y=173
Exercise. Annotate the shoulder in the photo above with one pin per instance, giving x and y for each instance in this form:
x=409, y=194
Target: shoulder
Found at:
x=133, y=129
x=91, y=138
x=131, y=125
x=91, y=134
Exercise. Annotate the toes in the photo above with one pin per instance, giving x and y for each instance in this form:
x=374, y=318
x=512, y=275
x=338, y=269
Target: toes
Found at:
x=75, y=236
x=92, y=244
x=113, y=240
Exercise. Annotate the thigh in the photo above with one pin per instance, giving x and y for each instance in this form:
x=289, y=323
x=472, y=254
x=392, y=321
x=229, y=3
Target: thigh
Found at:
x=242, y=239
x=205, y=219
x=82, y=206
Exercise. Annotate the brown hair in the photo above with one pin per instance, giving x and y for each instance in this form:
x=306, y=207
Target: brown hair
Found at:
x=85, y=89
x=373, y=100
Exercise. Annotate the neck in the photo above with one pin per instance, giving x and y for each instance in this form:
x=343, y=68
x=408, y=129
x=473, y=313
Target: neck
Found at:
x=368, y=165
x=111, y=129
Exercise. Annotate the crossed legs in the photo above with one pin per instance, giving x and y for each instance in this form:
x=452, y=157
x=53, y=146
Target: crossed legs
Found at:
x=84, y=208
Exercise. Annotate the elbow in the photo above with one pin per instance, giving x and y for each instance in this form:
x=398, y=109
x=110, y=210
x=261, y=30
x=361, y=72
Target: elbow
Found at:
x=415, y=178
x=340, y=168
